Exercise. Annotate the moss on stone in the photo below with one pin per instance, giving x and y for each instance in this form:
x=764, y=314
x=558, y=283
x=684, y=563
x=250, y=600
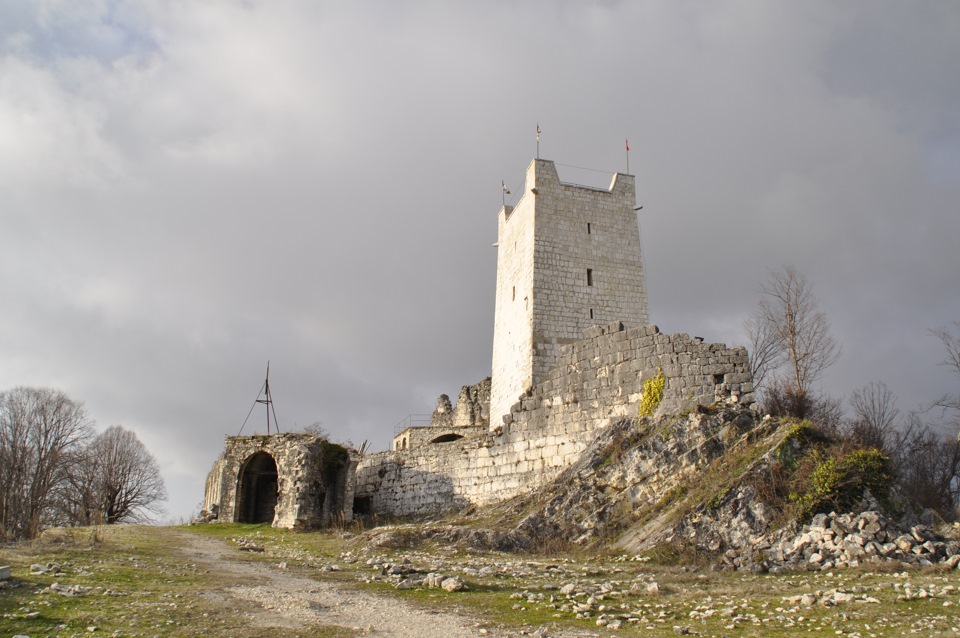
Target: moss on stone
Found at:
x=334, y=457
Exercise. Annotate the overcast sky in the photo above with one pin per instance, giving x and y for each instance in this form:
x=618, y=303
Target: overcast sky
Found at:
x=190, y=189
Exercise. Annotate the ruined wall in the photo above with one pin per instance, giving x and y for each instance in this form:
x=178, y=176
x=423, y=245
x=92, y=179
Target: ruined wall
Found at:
x=598, y=379
x=473, y=405
x=568, y=258
x=442, y=416
x=470, y=417
x=420, y=436
x=314, y=480
x=214, y=488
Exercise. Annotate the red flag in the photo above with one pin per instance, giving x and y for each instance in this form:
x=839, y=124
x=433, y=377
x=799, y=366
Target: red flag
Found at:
x=628, y=145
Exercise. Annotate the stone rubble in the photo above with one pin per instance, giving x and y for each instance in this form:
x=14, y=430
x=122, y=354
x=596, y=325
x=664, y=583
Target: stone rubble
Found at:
x=843, y=540
x=70, y=591
x=54, y=569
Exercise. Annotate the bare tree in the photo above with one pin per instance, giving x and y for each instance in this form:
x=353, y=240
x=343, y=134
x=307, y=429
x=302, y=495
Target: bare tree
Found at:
x=802, y=330
x=929, y=472
x=791, y=340
x=39, y=429
x=77, y=501
x=828, y=413
x=766, y=352
x=117, y=480
x=875, y=416
x=951, y=343
x=317, y=429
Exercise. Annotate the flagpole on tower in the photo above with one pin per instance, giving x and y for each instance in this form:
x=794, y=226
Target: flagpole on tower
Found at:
x=628, y=156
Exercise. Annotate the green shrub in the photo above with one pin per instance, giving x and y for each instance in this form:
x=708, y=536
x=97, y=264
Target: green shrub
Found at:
x=830, y=479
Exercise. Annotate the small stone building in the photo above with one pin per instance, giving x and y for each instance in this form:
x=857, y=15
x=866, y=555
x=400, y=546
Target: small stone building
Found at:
x=295, y=481
x=469, y=418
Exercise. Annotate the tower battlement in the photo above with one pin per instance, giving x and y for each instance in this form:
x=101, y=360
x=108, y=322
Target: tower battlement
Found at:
x=568, y=258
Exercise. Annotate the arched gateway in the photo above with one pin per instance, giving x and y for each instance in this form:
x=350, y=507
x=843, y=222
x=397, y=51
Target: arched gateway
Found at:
x=257, y=490
x=290, y=480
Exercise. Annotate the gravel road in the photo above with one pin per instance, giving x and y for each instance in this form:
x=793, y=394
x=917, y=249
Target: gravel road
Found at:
x=278, y=598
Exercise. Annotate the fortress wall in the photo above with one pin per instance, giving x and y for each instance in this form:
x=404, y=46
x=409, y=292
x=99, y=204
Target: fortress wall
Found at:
x=598, y=379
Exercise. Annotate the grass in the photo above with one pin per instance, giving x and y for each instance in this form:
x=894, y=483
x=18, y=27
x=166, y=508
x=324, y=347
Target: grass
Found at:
x=143, y=586
x=140, y=586
x=706, y=603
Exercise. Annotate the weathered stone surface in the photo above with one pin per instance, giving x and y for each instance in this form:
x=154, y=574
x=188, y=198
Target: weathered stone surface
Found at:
x=469, y=418
x=552, y=426
x=443, y=414
x=568, y=259
x=453, y=584
x=290, y=480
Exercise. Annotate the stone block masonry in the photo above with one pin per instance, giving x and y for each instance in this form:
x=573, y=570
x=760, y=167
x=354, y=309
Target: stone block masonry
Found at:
x=598, y=379
x=419, y=436
x=568, y=258
x=290, y=480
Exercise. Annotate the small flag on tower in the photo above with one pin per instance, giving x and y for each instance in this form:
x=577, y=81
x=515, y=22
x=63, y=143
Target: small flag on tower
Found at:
x=628, y=145
x=503, y=184
x=538, y=131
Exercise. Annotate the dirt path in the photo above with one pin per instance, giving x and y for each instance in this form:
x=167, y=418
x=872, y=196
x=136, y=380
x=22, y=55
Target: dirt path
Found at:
x=278, y=598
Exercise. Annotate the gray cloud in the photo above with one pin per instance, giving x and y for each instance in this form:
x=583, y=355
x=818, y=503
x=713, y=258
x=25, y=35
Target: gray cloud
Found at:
x=190, y=190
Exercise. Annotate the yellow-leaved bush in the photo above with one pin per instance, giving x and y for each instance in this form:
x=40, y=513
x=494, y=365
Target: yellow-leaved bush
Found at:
x=652, y=393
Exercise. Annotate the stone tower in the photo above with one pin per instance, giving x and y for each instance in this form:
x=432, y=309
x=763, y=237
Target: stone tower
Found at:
x=568, y=257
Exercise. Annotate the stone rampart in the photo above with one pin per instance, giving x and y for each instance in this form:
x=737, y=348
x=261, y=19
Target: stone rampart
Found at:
x=597, y=380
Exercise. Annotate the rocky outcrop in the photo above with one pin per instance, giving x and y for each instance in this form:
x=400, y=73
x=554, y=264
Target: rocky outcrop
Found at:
x=627, y=485
x=689, y=481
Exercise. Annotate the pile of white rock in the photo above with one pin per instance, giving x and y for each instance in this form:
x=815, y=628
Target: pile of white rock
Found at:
x=849, y=540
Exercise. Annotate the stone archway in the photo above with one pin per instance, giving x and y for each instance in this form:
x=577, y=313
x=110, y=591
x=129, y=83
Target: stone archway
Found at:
x=257, y=489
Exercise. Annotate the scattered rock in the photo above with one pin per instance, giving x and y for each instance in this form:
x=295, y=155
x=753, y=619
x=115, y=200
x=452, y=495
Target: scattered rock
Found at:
x=453, y=584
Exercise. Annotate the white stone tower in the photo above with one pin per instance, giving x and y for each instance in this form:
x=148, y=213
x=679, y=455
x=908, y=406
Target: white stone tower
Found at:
x=568, y=258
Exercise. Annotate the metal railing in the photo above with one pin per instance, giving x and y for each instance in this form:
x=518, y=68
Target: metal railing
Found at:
x=412, y=421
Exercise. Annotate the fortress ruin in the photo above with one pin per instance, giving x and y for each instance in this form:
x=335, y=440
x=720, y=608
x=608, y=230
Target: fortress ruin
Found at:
x=571, y=351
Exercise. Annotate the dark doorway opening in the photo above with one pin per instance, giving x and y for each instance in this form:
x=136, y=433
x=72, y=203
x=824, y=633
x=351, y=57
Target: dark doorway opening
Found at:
x=361, y=505
x=257, y=500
